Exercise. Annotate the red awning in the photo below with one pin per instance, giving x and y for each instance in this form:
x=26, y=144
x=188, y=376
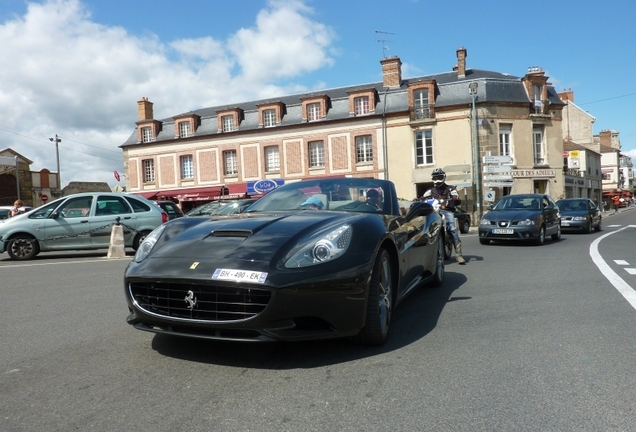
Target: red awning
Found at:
x=207, y=193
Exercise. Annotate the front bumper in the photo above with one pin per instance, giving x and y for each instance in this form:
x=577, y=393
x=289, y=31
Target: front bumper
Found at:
x=525, y=233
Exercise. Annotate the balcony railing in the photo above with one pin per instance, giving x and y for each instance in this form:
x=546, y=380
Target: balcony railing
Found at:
x=421, y=113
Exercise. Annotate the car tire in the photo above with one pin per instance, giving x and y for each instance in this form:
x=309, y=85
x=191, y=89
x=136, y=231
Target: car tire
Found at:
x=588, y=227
x=540, y=240
x=379, y=303
x=23, y=248
x=464, y=227
x=557, y=236
x=440, y=270
x=484, y=241
x=598, y=226
x=141, y=236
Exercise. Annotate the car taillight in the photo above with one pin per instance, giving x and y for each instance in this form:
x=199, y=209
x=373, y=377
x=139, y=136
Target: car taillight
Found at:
x=164, y=217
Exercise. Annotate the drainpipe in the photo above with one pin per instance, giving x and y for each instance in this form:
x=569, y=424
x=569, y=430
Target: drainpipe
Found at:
x=384, y=143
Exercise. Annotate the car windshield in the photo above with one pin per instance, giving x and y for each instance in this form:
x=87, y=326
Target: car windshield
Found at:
x=518, y=203
x=572, y=205
x=342, y=194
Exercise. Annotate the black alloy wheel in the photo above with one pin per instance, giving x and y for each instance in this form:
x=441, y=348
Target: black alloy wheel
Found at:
x=540, y=240
x=438, y=277
x=464, y=226
x=380, y=302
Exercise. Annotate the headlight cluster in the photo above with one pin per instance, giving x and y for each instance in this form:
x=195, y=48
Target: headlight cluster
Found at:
x=484, y=222
x=326, y=248
x=528, y=222
x=149, y=242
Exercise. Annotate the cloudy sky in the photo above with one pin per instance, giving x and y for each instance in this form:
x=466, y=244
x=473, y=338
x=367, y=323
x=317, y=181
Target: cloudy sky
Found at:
x=77, y=68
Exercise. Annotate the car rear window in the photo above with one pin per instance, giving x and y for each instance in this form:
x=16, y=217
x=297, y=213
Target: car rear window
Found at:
x=138, y=206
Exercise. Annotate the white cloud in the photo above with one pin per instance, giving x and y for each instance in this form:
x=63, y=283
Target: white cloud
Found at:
x=68, y=75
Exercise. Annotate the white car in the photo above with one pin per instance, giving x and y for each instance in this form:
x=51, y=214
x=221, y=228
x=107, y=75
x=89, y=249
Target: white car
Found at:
x=79, y=222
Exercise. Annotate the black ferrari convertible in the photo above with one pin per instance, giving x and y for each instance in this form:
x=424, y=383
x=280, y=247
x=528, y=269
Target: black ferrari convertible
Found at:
x=313, y=259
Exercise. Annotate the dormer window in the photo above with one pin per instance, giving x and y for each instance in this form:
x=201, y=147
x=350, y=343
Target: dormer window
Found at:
x=270, y=114
x=228, y=123
x=315, y=108
x=535, y=83
x=184, y=129
x=229, y=120
x=362, y=102
x=313, y=112
x=421, y=100
x=146, y=134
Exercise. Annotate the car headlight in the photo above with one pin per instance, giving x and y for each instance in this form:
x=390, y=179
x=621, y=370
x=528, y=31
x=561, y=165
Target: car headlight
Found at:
x=579, y=218
x=484, y=222
x=324, y=249
x=528, y=222
x=149, y=242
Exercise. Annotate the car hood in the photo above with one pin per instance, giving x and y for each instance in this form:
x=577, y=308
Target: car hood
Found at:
x=512, y=214
x=253, y=238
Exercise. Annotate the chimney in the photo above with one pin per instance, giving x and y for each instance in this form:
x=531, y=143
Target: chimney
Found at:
x=461, y=62
x=605, y=138
x=391, y=71
x=566, y=95
x=144, y=108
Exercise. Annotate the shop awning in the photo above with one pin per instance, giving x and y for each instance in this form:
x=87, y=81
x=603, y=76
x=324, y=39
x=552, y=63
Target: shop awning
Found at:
x=207, y=193
x=148, y=195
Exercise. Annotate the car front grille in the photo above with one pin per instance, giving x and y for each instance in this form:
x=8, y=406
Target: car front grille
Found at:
x=199, y=302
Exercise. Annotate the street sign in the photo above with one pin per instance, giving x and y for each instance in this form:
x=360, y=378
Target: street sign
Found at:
x=6, y=160
x=463, y=185
x=453, y=178
x=497, y=177
x=489, y=195
x=44, y=198
x=497, y=159
x=116, y=174
x=499, y=184
x=497, y=168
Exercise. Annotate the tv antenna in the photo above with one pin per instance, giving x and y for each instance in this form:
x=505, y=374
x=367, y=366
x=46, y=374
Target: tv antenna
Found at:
x=384, y=47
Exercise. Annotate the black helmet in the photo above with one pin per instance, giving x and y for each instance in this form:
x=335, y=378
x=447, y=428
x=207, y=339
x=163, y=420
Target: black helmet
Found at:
x=438, y=176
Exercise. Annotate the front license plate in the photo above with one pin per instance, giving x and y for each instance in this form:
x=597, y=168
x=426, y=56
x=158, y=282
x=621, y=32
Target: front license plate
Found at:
x=502, y=231
x=564, y=223
x=240, y=275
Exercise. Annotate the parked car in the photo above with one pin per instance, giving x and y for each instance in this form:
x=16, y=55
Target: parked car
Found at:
x=579, y=214
x=81, y=221
x=172, y=210
x=281, y=271
x=463, y=220
x=529, y=217
x=4, y=211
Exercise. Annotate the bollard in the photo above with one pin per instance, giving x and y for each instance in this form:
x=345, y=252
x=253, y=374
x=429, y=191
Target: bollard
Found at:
x=117, y=248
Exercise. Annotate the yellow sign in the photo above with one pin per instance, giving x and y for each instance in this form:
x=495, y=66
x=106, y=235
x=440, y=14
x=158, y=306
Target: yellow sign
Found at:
x=574, y=153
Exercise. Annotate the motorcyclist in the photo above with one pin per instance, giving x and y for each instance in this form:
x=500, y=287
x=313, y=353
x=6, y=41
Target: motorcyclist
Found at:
x=448, y=198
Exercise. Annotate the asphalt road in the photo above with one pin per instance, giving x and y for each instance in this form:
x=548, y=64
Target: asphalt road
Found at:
x=522, y=338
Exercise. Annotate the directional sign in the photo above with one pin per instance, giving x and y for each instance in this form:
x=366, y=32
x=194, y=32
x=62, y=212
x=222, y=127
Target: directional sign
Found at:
x=497, y=177
x=497, y=168
x=6, y=160
x=454, y=178
x=497, y=159
x=463, y=185
x=499, y=184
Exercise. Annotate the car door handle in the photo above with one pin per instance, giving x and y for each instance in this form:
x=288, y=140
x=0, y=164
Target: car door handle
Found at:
x=127, y=217
x=84, y=221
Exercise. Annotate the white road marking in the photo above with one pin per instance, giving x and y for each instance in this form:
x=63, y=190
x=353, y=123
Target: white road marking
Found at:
x=630, y=270
x=62, y=262
x=612, y=226
x=621, y=262
x=621, y=286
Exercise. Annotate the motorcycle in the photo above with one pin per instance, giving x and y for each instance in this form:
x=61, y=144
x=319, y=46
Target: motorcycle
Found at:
x=448, y=238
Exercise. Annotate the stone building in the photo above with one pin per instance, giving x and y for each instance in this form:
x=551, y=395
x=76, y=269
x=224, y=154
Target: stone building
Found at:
x=399, y=128
x=33, y=187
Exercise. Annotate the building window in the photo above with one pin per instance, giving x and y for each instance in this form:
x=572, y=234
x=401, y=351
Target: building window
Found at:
x=536, y=95
x=184, y=129
x=230, y=162
x=146, y=134
x=420, y=104
x=187, y=170
x=361, y=105
x=424, y=147
x=316, y=154
x=149, y=170
x=269, y=118
x=364, y=149
x=313, y=111
x=505, y=146
x=537, y=143
x=228, y=123
x=272, y=160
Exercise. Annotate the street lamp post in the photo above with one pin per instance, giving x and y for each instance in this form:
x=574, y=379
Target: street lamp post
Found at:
x=472, y=88
x=57, y=156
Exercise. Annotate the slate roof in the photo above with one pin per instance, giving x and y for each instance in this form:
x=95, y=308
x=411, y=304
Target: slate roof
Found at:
x=451, y=90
